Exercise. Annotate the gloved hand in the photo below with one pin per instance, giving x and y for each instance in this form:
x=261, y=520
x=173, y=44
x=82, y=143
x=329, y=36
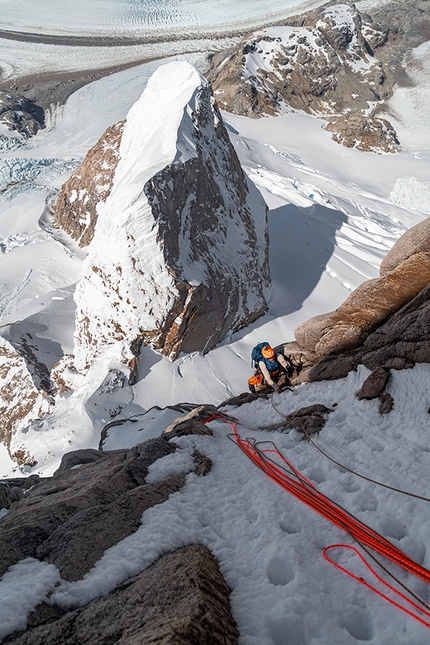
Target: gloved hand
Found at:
x=279, y=390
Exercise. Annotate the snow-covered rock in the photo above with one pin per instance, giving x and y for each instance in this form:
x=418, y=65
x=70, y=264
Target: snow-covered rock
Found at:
x=20, y=114
x=75, y=209
x=179, y=256
x=322, y=63
x=24, y=388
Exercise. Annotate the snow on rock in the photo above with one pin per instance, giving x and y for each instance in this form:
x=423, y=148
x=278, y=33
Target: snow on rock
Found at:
x=20, y=114
x=179, y=256
x=76, y=205
x=24, y=388
x=322, y=63
x=404, y=273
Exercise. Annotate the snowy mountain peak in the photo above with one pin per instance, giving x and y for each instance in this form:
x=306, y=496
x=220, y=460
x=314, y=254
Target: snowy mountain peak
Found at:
x=321, y=63
x=179, y=254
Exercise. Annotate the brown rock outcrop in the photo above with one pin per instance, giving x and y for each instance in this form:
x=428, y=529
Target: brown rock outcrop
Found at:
x=322, y=62
x=404, y=273
x=24, y=394
x=400, y=342
x=75, y=210
x=366, y=133
x=182, y=599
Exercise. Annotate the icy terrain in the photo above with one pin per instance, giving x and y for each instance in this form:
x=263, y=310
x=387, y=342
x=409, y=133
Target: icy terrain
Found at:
x=334, y=213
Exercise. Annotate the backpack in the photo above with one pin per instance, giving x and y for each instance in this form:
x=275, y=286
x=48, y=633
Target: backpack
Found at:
x=257, y=356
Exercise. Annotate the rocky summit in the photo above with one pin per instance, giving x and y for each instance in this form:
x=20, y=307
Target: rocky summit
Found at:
x=331, y=62
x=178, y=246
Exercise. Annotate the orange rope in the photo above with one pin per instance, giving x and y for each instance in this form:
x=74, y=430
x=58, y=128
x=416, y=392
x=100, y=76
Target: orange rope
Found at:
x=291, y=480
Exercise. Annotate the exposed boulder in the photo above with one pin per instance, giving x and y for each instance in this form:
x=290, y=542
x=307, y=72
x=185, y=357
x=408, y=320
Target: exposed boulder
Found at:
x=182, y=599
x=75, y=209
x=404, y=274
x=20, y=114
x=400, y=342
x=190, y=261
x=384, y=324
x=375, y=384
x=323, y=63
x=366, y=133
x=309, y=420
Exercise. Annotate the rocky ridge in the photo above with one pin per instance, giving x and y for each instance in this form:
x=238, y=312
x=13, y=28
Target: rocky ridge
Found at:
x=75, y=209
x=333, y=62
x=171, y=213
x=95, y=500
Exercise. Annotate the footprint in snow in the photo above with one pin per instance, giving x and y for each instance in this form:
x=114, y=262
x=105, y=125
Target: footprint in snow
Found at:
x=279, y=571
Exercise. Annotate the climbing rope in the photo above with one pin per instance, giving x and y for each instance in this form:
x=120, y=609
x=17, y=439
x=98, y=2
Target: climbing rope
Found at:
x=291, y=480
x=373, y=481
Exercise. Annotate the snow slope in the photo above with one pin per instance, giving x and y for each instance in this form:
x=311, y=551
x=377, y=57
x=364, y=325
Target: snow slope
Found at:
x=268, y=544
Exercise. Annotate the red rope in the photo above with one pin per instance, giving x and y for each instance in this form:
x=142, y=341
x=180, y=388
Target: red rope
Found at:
x=291, y=480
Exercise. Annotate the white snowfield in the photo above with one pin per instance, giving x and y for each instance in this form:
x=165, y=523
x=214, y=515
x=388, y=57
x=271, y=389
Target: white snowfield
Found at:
x=334, y=214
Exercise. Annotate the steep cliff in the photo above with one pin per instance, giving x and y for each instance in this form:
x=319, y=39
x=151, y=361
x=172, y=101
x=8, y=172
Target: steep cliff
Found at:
x=179, y=254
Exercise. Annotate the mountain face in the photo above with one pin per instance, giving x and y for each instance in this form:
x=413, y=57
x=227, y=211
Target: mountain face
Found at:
x=75, y=209
x=179, y=255
x=322, y=63
x=24, y=394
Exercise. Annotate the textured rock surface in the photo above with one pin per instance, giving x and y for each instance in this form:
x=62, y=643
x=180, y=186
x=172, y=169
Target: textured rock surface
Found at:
x=374, y=385
x=190, y=261
x=309, y=420
x=404, y=273
x=323, y=63
x=24, y=386
x=366, y=133
x=72, y=519
x=75, y=209
x=400, y=342
x=20, y=114
x=182, y=599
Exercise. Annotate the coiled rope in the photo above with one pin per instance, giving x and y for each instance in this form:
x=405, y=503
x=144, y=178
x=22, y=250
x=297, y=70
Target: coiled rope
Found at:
x=290, y=479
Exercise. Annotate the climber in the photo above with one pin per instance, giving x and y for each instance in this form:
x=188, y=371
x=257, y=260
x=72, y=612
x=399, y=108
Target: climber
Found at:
x=270, y=369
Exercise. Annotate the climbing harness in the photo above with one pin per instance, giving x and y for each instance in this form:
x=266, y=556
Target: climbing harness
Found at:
x=290, y=479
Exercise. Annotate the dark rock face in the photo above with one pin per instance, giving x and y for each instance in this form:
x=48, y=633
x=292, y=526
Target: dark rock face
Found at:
x=374, y=385
x=20, y=114
x=72, y=519
x=75, y=209
x=309, y=420
x=182, y=599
